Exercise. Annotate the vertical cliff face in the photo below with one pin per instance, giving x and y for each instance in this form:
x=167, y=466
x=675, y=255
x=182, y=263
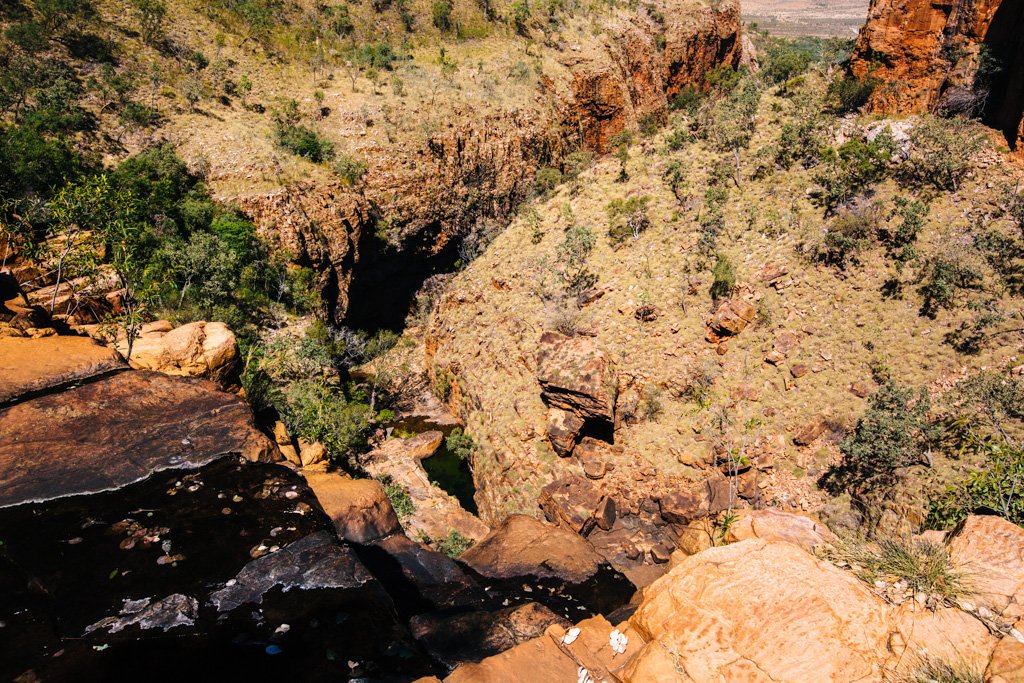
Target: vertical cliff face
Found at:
x=645, y=61
x=953, y=55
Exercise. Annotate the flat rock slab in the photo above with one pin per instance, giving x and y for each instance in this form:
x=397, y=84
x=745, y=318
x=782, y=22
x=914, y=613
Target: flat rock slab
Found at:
x=119, y=430
x=32, y=365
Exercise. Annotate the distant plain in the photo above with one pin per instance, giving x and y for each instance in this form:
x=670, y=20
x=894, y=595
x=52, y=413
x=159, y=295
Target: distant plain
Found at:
x=807, y=17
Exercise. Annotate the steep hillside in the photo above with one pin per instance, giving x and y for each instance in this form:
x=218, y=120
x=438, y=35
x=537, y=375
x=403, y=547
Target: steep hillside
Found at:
x=729, y=331
x=357, y=132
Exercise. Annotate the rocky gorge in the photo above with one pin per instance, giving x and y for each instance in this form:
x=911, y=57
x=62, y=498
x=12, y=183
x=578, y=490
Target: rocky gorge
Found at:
x=495, y=410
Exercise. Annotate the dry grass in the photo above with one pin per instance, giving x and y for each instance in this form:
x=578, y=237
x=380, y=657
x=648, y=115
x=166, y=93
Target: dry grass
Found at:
x=922, y=566
x=845, y=323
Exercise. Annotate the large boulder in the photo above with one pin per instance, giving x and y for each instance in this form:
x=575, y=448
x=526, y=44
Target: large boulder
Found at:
x=359, y=508
x=34, y=365
x=118, y=430
x=730, y=318
x=759, y=611
x=524, y=546
x=991, y=552
x=576, y=375
x=199, y=349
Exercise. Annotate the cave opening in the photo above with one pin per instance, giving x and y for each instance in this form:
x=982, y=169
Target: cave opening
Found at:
x=1005, y=41
x=385, y=280
x=599, y=429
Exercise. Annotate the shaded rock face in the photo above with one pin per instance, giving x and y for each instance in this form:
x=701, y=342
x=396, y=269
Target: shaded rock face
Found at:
x=576, y=376
x=524, y=546
x=191, y=573
x=118, y=430
x=928, y=54
x=321, y=227
x=472, y=636
x=359, y=507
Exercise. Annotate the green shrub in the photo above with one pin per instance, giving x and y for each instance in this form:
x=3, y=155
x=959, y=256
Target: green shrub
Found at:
x=320, y=413
x=304, y=142
x=627, y=218
x=351, y=169
x=441, y=13
x=520, y=15
x=460, y=444
x=847, y=93
x=454, y=544
x=847, y=235
x=573, y=254
x=723, y=278
x=546, y=180
x=954, y=268
x=889, y=436
x=942, y=150
x=853, y=167
x=784, y=61
x=399, y=498
x=687, y=100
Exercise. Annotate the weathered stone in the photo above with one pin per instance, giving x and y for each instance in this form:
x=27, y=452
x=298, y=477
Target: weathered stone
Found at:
x=119, y=430
x=811, y=431
x=34, y=365
x=199, y=349
x=731, y=318
x=576, y=376
x=311, y=563
x=464, y=637
x=682, y=507
x=570, y=502
x=1007, y=662
x=710, y=613
x=524, y=546
x=604, y=516
x=563, y=429
x=360, y=508
x=991, y=549
x=775, y=525
x=435, y=577
x=311, y=453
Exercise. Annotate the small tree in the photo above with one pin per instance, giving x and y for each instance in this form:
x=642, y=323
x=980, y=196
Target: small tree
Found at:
x=889, y=436
x=520, y=15
x=943, y=150
x=724, y=278
x=573, y=255
x=151, y=15
x=441, y=13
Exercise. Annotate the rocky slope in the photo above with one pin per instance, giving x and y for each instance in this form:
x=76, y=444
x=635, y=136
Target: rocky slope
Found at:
x=941, y=55
x=766, y=610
